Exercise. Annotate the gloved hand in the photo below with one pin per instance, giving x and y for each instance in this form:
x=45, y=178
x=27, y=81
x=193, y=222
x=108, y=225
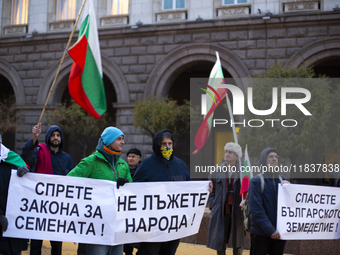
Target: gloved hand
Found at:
x=3, y=222
x=22, y=171
x=121, y=182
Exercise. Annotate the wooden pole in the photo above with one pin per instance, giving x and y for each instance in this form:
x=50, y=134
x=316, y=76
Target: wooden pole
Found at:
x=62, y=60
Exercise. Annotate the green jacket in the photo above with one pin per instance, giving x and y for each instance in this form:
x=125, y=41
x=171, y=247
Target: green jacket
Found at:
x=97, y=167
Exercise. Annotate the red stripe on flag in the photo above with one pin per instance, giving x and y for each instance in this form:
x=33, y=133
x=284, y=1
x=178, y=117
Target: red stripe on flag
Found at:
x=244, y=186
x=77, y=92
x=78, y=54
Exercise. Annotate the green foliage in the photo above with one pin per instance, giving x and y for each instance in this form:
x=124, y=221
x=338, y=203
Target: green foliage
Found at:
x=152, y=115
x=77, y=123
x=314, y=135
x=8, y=115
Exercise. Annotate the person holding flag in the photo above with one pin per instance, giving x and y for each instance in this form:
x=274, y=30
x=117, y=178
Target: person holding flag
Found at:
x=226, y=220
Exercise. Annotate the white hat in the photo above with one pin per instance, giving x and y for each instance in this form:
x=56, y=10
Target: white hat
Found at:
x=234, y=147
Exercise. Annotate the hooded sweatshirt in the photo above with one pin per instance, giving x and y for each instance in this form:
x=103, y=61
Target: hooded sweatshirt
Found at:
x=60, y=160
x=157, y=169
x=263, y=205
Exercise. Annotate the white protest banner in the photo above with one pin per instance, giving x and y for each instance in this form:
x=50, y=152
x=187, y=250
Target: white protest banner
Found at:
x=59, y=208
x=74, y=209
x=159, y=211
x=308, y=212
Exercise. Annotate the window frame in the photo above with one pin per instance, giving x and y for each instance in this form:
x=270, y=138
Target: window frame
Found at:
x=174, y=5
x=235, y=2
x=109, y=7
x=58, y=13
x=20, y=12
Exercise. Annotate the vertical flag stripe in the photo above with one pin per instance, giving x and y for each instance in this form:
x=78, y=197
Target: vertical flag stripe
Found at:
x=86, y=78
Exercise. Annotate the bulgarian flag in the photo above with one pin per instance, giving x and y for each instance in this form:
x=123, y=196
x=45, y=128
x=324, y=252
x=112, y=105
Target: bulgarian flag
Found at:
x=86, y=78
x=10, y=157
x=216, y=77
x=247, y=174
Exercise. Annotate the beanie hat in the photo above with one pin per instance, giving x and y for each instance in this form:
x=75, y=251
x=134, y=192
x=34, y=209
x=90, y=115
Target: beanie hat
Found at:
x=134, y=151
x=110, y=134
x=235, y=148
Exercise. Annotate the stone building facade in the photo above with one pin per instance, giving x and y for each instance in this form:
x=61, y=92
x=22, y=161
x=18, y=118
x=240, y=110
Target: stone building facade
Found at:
x=145, y=50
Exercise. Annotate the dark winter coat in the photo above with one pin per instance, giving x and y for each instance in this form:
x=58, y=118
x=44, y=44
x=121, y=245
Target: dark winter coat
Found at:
x=263, y=205
x=217, y=206
x=61, y=161
x=157, y=169
x=8, y=245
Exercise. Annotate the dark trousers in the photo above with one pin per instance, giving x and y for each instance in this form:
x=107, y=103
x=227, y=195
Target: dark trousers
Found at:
x=262, y=245
x=165, y=248
x=128, y=249
x=227, y=230
x=35, y=247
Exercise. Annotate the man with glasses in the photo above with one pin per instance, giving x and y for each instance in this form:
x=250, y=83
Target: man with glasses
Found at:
x=263, y=190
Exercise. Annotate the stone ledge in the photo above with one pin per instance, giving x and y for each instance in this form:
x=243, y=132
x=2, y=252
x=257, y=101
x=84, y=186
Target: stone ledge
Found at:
x=62, y=25
x=233, y=10
x=16, y=29
x=298, y=6
x=171, y=15
x=114, y=20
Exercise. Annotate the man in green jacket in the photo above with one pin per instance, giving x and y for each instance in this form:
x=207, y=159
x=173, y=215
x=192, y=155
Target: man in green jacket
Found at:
x=105, y=164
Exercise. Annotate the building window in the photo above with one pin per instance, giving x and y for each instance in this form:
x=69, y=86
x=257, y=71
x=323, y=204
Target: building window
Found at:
x=118, y=7
x=66, y=9
x=226, y=2
x=19, y=12
x=173, y=4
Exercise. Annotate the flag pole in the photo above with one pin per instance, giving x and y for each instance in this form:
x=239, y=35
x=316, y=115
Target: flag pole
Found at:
x=62, y=60
x=230, y=114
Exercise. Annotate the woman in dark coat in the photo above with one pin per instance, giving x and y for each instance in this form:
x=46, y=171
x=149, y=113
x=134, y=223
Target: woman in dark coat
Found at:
x=226, y=217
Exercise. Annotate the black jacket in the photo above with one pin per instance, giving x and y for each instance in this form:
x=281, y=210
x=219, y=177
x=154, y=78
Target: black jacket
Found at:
x=61, y=161
x=8, y=245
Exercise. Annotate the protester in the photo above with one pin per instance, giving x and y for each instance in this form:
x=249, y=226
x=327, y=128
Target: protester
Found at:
x=161, y=166
x=226, y=218
x=265, y=239
x=8, y=160
x=106, y=164
x=133, y=159
x=48, y=158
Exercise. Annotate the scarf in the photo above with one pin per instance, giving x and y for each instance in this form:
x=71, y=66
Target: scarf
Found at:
x=44, y=165
x=230, y=194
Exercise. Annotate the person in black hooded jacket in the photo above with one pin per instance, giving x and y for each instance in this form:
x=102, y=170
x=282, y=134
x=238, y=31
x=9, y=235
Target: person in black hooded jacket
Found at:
x=159, y=167
x=35, y=155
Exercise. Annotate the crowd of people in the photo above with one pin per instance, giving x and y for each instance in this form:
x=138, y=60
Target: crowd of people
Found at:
x=226, y=219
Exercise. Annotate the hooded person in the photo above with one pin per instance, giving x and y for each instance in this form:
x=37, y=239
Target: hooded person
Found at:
x=105, y=164
x=226, y=218
x=160, y=167
x=8, y=160
x=48, y=158
x=265, y=239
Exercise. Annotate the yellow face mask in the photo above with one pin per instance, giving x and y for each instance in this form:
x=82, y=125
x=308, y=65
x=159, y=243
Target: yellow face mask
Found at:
x=166, y=152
